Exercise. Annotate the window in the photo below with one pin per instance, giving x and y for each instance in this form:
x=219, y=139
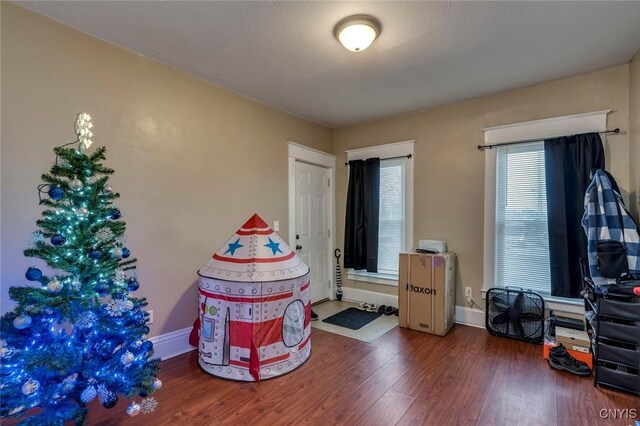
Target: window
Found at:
x=516, y=247
x=392, y=217
x=396, y=208
x=293, y=324
x=208, y=327
x=521, y=235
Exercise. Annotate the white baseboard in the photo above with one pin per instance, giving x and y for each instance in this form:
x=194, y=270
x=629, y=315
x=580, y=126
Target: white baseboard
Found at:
x=464, y=315
x=172, y=344
x=356, y=295
x=469, y=316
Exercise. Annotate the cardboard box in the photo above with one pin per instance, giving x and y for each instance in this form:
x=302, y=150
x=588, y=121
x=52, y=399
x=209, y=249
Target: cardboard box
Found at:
x=426, y=292
x=575, y=321
x=575, y=340
x=562, y=314
x=580, y=356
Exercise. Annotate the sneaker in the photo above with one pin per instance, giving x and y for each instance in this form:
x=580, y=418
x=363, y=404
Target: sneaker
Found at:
x=560, y=359
x=314, y=316
x=363, y=306
x=372, y=307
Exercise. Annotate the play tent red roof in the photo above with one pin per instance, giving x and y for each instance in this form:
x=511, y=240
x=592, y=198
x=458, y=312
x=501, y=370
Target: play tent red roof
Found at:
x=254, y=253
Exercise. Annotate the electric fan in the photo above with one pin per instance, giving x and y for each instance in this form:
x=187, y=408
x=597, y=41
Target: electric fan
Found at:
x=517, y=314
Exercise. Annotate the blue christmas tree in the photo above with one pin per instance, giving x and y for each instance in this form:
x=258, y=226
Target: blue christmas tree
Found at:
x=77, y=333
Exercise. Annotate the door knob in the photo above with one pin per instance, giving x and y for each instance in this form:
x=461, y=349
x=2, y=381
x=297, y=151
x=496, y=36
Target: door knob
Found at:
x=298, y=247
x=297, y=236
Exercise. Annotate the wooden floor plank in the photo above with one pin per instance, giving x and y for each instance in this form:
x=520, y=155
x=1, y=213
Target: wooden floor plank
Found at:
x=405, y=377
x=500, y=408
x=387, y=410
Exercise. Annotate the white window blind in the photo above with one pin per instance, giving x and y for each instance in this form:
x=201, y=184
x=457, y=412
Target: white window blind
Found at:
x=391, y=240
x=522, y=243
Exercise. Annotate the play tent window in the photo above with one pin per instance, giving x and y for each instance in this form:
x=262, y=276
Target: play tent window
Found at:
x=208, y=327
x=293, y=324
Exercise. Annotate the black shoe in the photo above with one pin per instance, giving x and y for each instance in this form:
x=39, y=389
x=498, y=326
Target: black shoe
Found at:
x=314, y=316
x=560, y=359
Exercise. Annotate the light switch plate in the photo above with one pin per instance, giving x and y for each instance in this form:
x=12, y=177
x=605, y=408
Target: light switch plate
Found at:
x=276, y=225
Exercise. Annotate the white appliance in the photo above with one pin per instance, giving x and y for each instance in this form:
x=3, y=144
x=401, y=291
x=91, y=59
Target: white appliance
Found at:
x=432, y=246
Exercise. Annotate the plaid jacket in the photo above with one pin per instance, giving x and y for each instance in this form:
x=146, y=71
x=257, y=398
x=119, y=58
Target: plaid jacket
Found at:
x=601, y=222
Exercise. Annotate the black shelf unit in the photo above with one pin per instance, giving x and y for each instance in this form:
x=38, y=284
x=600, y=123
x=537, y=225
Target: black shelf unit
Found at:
x=613, y=319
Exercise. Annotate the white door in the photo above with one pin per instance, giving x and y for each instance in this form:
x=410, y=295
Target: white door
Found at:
x=312, y=225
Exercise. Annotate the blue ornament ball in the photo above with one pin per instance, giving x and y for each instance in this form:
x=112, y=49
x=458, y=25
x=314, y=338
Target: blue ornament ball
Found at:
x=33, y=274
x=119, y=294
x=115, y=214
x=108, y=399
x=143, y=394
x=133, y=284
x=105, y=347
x=147, y=346
x=58, y=240
x=94, y=254
x=103, y=287
x=56, y=193
x=125, y=252
x=146, y=330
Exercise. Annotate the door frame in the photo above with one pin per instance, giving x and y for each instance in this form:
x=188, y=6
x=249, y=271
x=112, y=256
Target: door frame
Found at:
x=312, y=156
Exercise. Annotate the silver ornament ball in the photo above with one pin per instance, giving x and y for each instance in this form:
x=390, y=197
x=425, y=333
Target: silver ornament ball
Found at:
x=6, y=352
x=88, y=394
x=75, y=284
x=126, y=358
x=22, y=321
x=76, y=184
x=157, y=384
x=30, y=386
x=133, y=409
x=54, y=285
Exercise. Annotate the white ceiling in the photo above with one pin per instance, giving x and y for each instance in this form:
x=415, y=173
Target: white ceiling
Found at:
x=283, y=54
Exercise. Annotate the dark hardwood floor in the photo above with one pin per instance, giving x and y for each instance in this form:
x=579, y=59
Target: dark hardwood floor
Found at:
x=405, y=378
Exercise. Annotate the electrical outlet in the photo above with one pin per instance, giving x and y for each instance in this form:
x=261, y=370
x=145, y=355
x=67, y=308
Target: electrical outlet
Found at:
x=468, y=291
x=150, y=312
x=276, y=225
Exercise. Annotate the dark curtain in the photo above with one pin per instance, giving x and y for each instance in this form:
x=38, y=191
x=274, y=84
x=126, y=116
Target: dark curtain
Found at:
x=363, y=212
x=568, y=162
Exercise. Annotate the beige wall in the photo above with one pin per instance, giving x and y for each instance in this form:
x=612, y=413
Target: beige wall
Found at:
x=634, y=136
x=192, y=160
x=449, y=170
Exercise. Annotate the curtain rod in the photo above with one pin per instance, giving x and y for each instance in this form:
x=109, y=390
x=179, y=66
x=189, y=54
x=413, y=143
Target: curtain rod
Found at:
x=490, y=146
x=390, y=158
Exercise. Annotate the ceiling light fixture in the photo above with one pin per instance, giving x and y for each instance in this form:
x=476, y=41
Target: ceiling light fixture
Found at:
x=357, y=32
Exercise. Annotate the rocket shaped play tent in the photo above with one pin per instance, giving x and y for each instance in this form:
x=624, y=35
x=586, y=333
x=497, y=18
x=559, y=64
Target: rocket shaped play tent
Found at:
x=254, y=307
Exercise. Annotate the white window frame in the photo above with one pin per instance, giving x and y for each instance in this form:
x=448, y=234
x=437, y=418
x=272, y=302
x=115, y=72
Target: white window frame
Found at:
x=397, y=149
x=538, y=129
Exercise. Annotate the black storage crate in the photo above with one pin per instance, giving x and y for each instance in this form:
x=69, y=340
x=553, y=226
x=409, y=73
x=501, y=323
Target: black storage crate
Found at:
x=617, y=377
x=619, y=353
x=622, y=309
x=614, y=320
